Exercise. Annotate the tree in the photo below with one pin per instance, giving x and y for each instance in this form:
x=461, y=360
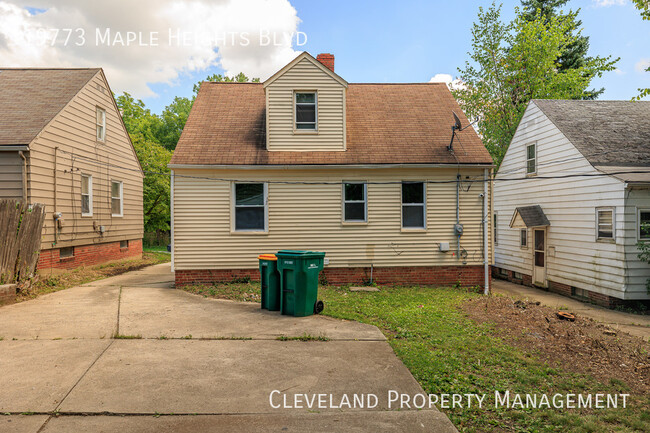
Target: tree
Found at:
x=574, y=53
x=512, y=63
x=644, y=7
x=239, y=78
x=143, y=127
x=154, y=138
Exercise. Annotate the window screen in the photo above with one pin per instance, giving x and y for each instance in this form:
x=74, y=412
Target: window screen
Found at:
x=306, y=110
x=250, y=206
x=354, y=201
x=413, y=205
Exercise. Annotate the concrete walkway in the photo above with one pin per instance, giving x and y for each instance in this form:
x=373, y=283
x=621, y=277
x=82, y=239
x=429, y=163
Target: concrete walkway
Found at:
x=633, y=324
x=196, y=365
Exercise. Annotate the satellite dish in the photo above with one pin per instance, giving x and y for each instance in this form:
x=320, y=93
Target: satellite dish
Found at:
x=457, y=124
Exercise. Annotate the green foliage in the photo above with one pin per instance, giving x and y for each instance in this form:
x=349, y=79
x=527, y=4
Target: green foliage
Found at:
x=574, y=54
x=644, y=7
x=154, y=138
x=144, y=129
x=218, y=78
x=512, y=63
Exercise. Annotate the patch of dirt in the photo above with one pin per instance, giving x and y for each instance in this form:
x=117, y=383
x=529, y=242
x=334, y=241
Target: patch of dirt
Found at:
x=580, y=346
x=42, y=284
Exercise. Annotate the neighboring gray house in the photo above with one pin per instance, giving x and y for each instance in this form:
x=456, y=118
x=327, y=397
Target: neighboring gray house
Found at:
x=576, y=235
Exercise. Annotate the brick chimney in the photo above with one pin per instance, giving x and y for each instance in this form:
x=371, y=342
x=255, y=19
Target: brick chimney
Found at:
x=326, y=59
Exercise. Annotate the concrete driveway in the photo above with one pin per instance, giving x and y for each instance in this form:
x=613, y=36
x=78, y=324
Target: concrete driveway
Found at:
x=197, y=365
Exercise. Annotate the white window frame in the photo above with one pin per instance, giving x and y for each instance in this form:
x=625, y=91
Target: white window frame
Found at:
x=295, y=112
x=638, y=224
x=495, y=223
x=100, y=124
x=90, y=195
x=613, y=211
x=364, y=201
x=423, y=205
x=534, y=159
x=233, y=207
x=523, y=235
x=121, y=197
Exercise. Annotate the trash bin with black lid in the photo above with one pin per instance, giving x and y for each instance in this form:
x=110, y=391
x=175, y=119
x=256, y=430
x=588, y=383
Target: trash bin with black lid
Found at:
x=270, y=281
x=299, y=271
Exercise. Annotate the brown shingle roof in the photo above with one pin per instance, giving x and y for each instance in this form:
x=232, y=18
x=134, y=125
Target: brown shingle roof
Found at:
x=30, y=98
x=386, y=124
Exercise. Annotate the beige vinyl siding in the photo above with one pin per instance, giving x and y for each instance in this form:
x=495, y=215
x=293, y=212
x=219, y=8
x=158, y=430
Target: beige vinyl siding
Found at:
x=305, y=76
x=310, y=217
x=570, y=205
x=73, y=131
x=11, y=175
x=638, y=272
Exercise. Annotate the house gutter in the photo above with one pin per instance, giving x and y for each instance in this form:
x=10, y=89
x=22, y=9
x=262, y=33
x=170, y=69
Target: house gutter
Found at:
x=319, y=166
x=486, y=220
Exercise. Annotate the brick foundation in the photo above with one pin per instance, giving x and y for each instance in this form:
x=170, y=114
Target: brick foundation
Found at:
x=563, y=289
x=468, y=276
x=89, y=255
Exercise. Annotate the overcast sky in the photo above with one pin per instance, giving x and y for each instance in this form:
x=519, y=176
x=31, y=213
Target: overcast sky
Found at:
x=177, y=43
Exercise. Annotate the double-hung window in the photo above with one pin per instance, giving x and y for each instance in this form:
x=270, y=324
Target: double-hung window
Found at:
x=413, y=205
x=605, y=223
x=117, y=192
x=355, y=202
x=644, y=224
x=250, y=206
x=101, y=124
x=86, y=195
x=306, y=111
x=531, y=159
x=523, y=238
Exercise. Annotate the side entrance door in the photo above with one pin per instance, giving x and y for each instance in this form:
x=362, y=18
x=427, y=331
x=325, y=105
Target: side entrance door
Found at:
x=539, y=258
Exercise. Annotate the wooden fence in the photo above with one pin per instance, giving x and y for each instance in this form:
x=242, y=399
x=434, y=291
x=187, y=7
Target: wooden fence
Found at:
x=20, y=239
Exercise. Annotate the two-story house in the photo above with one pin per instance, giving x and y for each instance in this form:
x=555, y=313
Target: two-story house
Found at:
x=63, y=144
x=306, y=160
x=572, y=200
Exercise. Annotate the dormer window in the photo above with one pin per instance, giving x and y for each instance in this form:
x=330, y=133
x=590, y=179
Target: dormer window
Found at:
x=306, y=109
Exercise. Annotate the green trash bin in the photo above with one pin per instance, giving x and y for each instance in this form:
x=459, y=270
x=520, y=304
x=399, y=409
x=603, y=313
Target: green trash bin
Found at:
x=270, y=280
x=299, y=272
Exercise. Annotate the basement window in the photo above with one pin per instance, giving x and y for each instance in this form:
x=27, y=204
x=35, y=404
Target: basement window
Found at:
x=250, y=201
x=531, y=159
x=413, y=205
x=605, y=223
x=117, y=192
x=101, y=124
x=306, y=109
x=355, y=202
x=644, y=224
x=66, y=252
x=86, y=195
x=124, y=244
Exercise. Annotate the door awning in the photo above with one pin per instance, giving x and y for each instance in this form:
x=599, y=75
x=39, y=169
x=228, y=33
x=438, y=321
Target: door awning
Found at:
x=529, y=216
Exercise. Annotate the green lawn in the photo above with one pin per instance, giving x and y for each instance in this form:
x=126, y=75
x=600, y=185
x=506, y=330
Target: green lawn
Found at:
x=449, y=353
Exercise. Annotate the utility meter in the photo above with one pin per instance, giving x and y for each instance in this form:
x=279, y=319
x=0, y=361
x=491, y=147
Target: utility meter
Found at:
x=458, y=228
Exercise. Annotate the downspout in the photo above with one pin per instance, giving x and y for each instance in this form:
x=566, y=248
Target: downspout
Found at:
x=486, y=224
x=171, y=217
x=22, y=155
x=457, y=216
x=56, y=229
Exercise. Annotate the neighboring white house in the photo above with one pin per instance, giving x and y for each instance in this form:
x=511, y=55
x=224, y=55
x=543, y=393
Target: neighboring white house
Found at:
x=576, y=235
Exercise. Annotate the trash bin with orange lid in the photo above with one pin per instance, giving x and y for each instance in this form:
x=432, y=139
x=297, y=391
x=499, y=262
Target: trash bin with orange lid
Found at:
x=270, y=280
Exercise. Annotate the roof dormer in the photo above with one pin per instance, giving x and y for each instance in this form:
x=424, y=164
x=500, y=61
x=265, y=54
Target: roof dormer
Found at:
x=305, y=106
